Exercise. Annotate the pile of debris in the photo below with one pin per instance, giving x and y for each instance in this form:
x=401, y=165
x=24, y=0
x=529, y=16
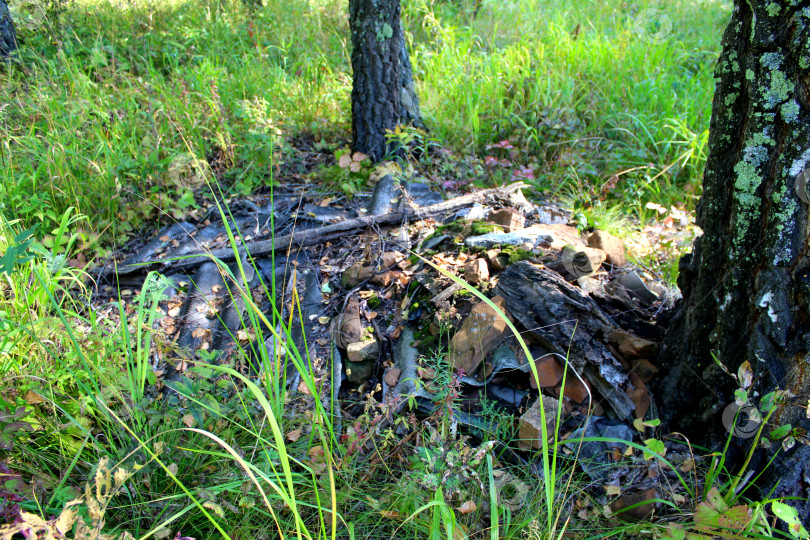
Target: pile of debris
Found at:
x=379, y=300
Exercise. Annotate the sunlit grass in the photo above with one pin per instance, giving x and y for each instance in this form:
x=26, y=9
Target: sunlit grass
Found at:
x=113, y=92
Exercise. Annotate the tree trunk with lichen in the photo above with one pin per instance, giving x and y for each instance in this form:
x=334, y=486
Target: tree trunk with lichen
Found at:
x=746, y=284
x=8, y=34
x=383, y=93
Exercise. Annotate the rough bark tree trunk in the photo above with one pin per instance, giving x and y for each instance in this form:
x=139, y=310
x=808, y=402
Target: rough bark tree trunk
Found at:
x=383, y=93
x=746, y=285
x=8, y=34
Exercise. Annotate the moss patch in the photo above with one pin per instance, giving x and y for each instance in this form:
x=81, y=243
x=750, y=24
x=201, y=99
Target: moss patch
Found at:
x=478, y=227
x=515, y=254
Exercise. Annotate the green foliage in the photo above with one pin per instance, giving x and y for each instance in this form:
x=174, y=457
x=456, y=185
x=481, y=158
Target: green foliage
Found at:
x=11, y=425
x=350, y=174
x=587, y=91
x=116, y=95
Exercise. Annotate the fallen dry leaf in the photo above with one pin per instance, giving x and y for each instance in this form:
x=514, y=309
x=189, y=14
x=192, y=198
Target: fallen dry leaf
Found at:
x=467, y=507
x=32, y=398
x=294, y=435
x=245, y=335
x=198, y=332
x=188, y=420
x=391, y=514
x=303, y=388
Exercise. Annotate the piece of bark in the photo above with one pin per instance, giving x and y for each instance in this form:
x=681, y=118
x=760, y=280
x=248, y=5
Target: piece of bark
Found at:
x=563, y=319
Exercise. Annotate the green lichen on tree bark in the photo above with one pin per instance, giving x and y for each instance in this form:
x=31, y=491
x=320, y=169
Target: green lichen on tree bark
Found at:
x=746, y=285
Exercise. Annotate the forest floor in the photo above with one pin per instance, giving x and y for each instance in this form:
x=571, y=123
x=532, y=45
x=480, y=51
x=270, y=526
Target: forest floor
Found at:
x=341, y=406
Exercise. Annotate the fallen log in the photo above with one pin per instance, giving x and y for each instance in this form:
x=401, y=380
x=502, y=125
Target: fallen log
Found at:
x=302, y=239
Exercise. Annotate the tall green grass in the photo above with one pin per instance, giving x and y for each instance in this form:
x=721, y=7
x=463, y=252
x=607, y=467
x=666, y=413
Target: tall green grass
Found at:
x=582, y=87
x=114, y=95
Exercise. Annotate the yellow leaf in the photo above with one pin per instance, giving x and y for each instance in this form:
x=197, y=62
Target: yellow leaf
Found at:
x=211, y=505
x=188, y=420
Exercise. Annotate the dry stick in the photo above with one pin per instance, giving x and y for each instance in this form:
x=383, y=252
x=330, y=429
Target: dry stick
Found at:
x=311, y=237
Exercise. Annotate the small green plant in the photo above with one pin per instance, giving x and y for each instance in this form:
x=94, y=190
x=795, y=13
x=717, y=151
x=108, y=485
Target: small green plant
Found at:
x=351, y=173
x=412, y=141
x=501, y=423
